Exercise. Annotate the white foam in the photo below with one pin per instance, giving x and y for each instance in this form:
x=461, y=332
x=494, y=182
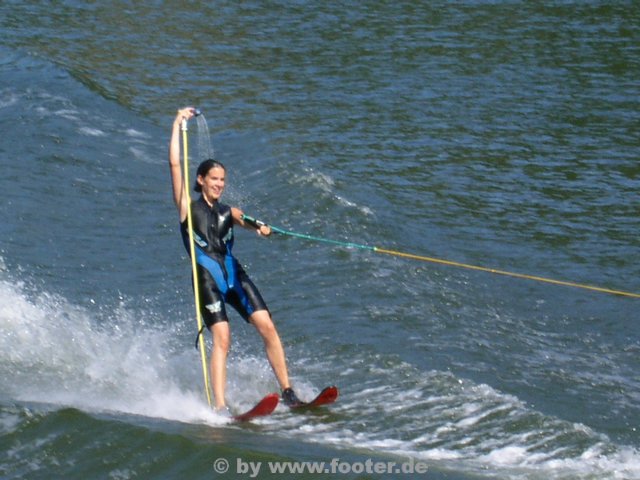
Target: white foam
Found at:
x=142, y=155
x=52, y=352
x=509, y=455
x=445, y=420
x=92, y=132
x=326, y=184
x=9, y=420
x=67, y=113
x=133, y=133
x=8, y=98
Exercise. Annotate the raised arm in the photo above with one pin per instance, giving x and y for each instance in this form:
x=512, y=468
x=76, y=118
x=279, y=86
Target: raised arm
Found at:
x=177, y=180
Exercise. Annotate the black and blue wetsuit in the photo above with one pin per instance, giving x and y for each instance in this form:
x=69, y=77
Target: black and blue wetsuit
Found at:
x=221, y=278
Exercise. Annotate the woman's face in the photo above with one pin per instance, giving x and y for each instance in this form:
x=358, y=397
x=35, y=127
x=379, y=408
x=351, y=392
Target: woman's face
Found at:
x=212, y=183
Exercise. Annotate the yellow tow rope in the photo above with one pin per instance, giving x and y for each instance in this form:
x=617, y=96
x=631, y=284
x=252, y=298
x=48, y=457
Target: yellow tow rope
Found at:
x=192, y=251
x=508, y=274
x=446, y=262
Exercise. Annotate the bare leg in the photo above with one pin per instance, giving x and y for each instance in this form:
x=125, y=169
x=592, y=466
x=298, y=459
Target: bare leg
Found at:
x=221, y=341
x=275, y=353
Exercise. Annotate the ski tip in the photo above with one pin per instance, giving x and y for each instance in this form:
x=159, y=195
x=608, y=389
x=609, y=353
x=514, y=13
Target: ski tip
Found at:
x=264, y=407
x=325, y=397
x=330, y=394
x=332, y=389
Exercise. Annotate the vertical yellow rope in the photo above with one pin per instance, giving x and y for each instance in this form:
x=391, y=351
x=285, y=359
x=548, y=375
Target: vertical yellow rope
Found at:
x=192, y=251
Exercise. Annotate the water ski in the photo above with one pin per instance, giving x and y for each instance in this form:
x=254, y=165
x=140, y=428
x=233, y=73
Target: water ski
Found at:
x=266, y=406
x=327, y=396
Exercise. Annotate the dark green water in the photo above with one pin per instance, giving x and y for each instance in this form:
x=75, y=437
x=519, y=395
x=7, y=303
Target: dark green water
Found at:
x=499, y=134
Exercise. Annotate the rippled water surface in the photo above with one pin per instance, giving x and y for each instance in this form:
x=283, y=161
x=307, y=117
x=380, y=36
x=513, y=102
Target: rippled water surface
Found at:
x=495, y=134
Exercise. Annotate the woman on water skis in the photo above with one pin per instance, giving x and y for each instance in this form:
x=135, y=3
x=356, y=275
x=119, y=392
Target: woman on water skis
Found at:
x=222, y=280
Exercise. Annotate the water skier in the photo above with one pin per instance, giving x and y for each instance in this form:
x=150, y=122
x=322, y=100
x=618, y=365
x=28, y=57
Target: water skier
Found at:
x=222, y=280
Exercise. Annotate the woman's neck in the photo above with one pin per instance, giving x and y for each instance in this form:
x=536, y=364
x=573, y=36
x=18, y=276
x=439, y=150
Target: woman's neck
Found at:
x=209, y=201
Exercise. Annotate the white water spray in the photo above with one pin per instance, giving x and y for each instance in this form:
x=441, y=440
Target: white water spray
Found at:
x=204, y=149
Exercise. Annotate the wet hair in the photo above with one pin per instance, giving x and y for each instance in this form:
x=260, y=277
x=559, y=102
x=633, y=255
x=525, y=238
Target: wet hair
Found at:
x=203, y=170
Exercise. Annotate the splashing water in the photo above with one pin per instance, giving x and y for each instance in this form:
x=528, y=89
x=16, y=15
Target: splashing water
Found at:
x=204, y=149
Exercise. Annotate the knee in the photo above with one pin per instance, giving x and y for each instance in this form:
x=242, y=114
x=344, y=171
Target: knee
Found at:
x=265, y=326
x=222, y=344
x=268, y=330
x=221, y=339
